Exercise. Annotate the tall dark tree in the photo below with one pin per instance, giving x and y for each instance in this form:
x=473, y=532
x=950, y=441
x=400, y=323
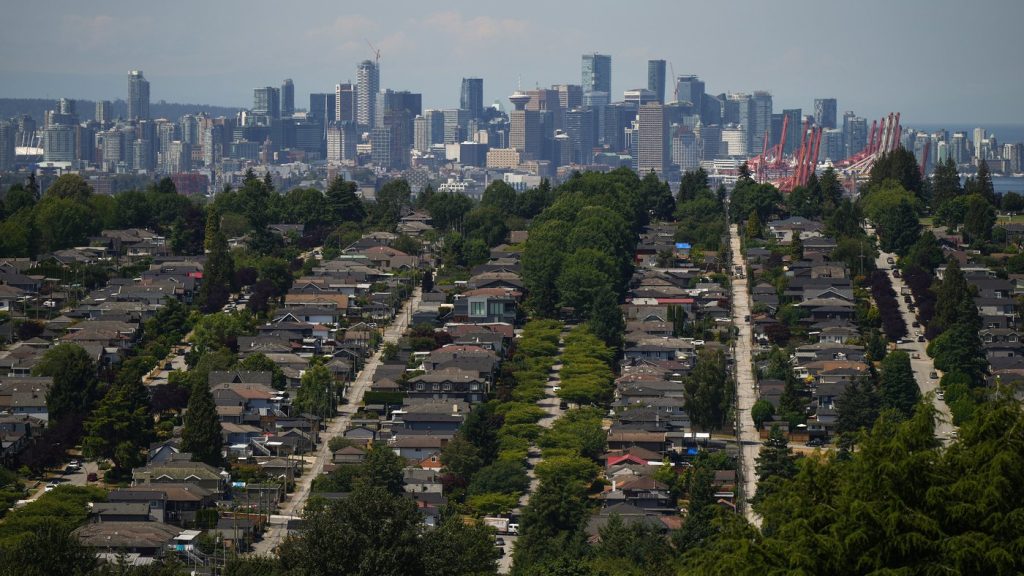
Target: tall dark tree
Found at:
x=381, y=532
x=455, y=548
x=707, y=390
x=858, y=406
x=606, y=320
x=693, y=181
x=202, y=433
x=219, y=268
x=501, y=196
x=32, y=186
x=899, y=165
x=945, y=183
x=657, y=196
x=845, y=220
x=979, y=219
x=121, y=426
x=342, y=203
x=897, y=386
x=552, y=526
x=954, y=300
x=775, y=461
x=382, y=469
x=926, y=253
x=982, y=184
x=74, y=386
x=899, y=228
x=71, y=187
x=393, y=199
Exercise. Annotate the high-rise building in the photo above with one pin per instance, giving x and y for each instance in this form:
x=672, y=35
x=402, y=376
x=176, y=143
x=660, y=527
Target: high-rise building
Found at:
x=793, y=125
x=213, y=144
x=342, y=138
x=1012, y=156
x=710, y=141
x=979, y=143
x=685, y=152
x=855, y=133
x=7, y=140
x=569, y=95
x=958, y=148
x=832, y=146
x=612, y=123
x=455, y=123
x=825, y=112
x=656, y=79
x=435, y=126
x=384, y=149
x=599, y=103
x=653, y=146
x=734, y=140
x=597, y=73
x=579, y=127
x=59, y=143
x=640, y=96
x=421, y=134
x=368, y=75
x=67, y=106
x=344, y=103
x=712, y=109
x=138, y=96
x=690, y=88
x=266, y=101
x=287, y=98
x=760, y=120
x=104, y=112
x=472, y=97
x=524, y=128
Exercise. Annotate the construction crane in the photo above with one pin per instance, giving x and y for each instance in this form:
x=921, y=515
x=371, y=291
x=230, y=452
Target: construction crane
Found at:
x=375, y=51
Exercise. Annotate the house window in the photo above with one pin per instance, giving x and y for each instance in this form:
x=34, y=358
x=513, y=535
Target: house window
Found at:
x=478, y=308
x=437, y=387
x=419, y=386
x=447, y=386
x=496, y=308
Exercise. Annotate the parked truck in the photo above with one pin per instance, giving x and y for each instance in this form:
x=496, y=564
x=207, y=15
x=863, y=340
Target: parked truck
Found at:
x=502, y=525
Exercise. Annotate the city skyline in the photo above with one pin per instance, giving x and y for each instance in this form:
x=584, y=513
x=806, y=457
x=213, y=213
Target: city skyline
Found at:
x=927, y=80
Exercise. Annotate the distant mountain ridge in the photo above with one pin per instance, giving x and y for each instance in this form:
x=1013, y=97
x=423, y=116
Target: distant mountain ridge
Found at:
x=86, y=109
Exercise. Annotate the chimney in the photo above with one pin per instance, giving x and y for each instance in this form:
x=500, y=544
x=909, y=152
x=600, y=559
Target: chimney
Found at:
x=615, y=485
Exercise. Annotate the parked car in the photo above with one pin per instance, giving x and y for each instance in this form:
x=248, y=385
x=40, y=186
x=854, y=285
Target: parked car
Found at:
x=920, y=338
x=815, y=442
x=889, y=260
x=933, y=375
x=915, y=324
x=92, y=477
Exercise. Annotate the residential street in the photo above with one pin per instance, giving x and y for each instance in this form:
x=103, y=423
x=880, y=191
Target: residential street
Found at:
x=550, y=403
x=293, y=506
x=919, y=360
x=746, y=394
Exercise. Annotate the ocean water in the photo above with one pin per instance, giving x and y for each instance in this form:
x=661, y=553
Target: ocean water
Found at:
x=1004, y=184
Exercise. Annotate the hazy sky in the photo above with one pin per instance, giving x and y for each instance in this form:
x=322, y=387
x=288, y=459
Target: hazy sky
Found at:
x=933, y=60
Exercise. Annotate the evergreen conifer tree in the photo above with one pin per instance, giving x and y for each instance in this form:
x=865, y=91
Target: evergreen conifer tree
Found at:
x=202, y=433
